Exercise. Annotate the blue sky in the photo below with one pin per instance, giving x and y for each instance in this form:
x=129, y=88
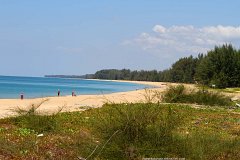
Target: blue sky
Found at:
x=83, y=36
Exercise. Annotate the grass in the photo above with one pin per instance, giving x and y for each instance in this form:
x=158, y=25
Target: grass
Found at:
x=226, y=90
x=232, y=90
x=124, y=131
x=135, y=124
x=31, y=119
x=179, y=94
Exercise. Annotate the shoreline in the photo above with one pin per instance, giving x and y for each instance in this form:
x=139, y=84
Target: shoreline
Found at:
x=77, y=103
x=150, y=85
x=129, y=81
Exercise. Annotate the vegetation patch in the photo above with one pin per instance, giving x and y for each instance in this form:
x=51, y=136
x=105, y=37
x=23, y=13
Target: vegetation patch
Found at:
x=126, y=131
x=31, y=119
x=179, y=94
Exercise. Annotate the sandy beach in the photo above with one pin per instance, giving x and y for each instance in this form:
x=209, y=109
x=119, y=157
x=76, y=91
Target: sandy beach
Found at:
x=69, y=103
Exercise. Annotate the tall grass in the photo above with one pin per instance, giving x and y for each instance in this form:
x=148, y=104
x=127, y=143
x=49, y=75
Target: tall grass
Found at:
x=30, y=118
x=126, y=131
x=132, y=126
x=202, y=144
x=135, y=131
x=179, y=94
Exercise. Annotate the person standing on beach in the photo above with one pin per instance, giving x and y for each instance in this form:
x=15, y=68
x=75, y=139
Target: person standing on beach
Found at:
x=58, y=92
x=21, y=96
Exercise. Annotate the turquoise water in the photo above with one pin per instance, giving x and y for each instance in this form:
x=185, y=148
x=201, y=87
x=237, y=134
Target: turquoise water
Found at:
x=33, y=87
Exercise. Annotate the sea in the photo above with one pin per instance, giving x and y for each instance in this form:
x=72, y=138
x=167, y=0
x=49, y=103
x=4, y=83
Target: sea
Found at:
x=12, y=87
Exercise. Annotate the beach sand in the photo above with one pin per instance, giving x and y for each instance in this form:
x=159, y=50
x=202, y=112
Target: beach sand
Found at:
x=79, y=102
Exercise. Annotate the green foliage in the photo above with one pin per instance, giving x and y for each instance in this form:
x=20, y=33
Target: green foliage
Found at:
x=129, y=131
x=220, y=67
x=175, y=94
x=132, y=126
x=179, y=94
x=135, y=131
x=1, y=129
x=183, y=70
x=202, y=144
x=38, y=123
x=30, y=119
x=126, y=74
x=210, y=98
x=24, y=131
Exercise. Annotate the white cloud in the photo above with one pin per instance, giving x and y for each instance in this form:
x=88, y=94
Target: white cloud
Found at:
x=223, y=32
x=159, y=28
x=183, y=40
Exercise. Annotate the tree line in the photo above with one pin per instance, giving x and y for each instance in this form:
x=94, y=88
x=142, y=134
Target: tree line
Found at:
x=220, y=67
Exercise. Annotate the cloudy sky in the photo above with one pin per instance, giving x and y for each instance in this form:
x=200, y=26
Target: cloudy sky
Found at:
x=83, y=36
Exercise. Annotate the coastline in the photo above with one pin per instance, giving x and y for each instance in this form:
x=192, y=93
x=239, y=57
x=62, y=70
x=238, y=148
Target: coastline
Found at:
x=79, y=102
x=148, y=83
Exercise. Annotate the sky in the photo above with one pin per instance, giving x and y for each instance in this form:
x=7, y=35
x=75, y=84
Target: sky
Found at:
x=76, y=37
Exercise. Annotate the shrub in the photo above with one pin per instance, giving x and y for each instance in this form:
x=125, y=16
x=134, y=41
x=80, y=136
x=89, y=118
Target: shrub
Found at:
x=179, y=94
x=210, y=98
x=175, y=94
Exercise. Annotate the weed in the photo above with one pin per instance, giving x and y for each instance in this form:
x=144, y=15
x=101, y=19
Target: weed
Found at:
x=31, y=110
x=30, y=118
x=149, y=95
x=2, y=129
x=24, y=131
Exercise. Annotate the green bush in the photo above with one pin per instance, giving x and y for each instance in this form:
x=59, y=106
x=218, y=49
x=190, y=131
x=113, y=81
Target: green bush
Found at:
x=129, y=127
x=179, y=94
x=210, y=98
x=175, y=94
